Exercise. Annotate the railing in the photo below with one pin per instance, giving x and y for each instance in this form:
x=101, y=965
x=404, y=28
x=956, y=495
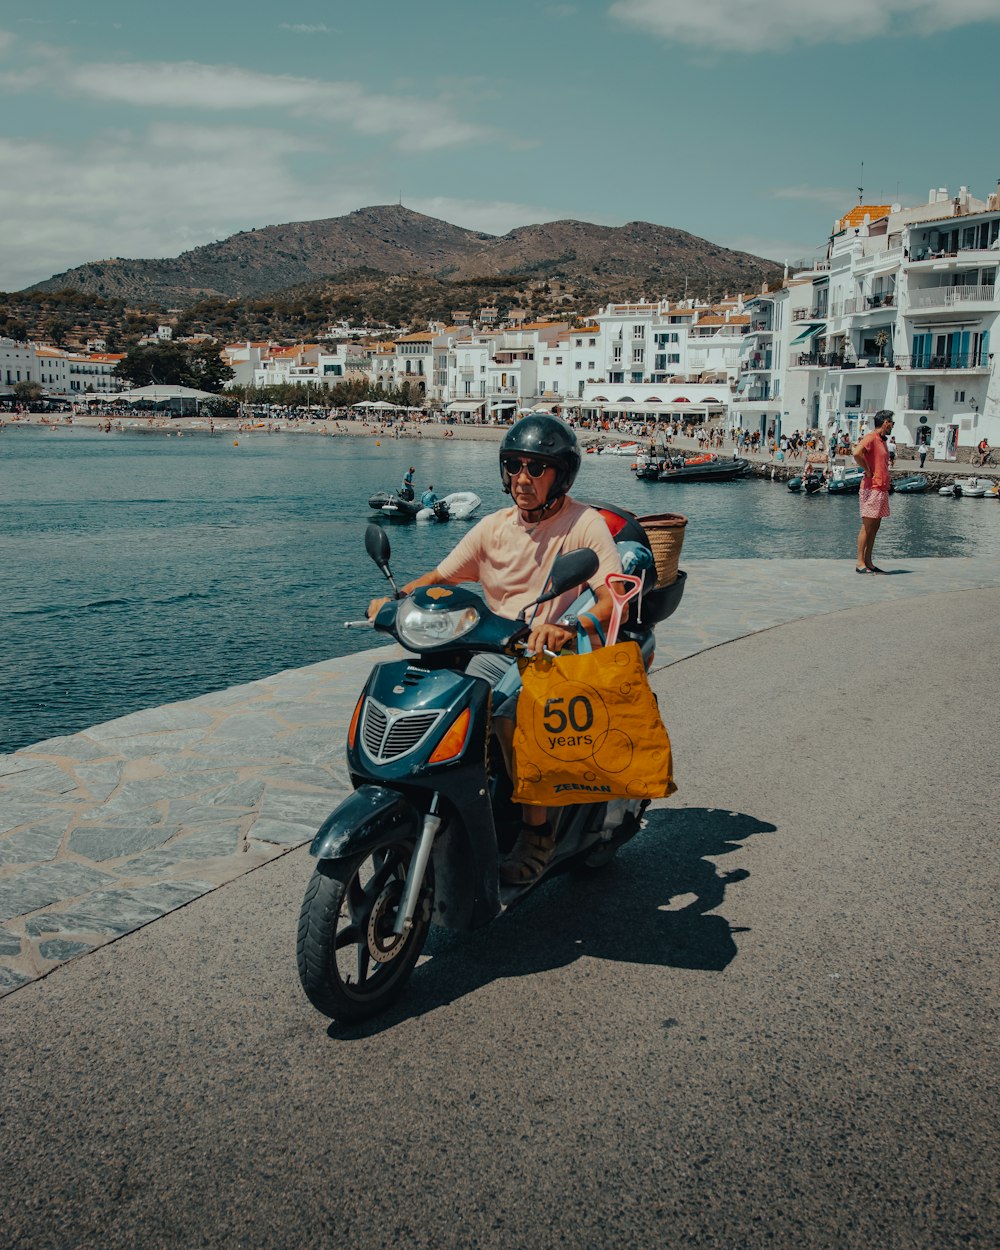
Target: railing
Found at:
x=808, y=314
x=808, y=263
x=761, y=365
x=883, y=299
x=948, y=296
x=919, y=403
x=873, y=259
x=968, y=360
x=759, y=327
x=754, y=394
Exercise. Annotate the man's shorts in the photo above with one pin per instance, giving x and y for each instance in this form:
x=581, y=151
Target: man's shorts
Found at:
x=874, y=503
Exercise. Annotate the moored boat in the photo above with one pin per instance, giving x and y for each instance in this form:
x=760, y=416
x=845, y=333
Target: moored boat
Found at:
x=703, y=469
x=459, y=505
x=915, y=484
x=967, y=487
x=845, y=481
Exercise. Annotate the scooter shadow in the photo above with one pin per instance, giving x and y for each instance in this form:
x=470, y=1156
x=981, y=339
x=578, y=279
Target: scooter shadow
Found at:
x=649, y=906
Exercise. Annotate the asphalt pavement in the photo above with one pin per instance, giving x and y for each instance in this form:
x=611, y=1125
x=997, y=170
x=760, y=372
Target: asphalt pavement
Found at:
x=771, y=1022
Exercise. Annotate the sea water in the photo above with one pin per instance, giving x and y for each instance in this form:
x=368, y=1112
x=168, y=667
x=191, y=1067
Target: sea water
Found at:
x=139, y=569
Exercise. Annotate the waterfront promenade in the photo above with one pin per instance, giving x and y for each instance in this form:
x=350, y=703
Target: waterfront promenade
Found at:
x=772, y=1022
x=103, y=831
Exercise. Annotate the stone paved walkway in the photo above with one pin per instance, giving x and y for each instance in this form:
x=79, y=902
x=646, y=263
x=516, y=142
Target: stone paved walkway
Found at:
x=104, y=831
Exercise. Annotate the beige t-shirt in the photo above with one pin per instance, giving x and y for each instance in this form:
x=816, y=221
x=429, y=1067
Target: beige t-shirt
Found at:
x=511, y=560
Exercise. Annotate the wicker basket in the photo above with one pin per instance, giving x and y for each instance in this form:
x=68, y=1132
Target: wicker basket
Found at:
x=665, y=531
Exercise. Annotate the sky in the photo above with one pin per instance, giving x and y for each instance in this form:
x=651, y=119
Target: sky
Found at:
x=141, y=130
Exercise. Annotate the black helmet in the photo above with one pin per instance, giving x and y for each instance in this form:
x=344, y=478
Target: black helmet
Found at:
x=544, y=438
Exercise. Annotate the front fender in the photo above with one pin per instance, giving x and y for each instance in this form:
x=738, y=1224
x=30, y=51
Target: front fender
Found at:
x=355, y=826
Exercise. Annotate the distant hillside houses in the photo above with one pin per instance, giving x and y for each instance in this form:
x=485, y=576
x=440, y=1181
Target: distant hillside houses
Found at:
x=896, y=311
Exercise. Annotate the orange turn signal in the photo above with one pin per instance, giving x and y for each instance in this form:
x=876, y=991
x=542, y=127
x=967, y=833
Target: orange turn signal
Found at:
x=352, y=730
x=453, y=743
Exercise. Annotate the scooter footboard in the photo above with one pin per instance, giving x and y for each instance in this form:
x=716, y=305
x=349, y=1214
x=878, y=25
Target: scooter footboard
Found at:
x=358, y=824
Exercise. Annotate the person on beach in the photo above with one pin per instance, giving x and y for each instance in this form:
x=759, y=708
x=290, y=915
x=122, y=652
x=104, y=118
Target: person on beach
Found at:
x=511, y=553
x=872, y=455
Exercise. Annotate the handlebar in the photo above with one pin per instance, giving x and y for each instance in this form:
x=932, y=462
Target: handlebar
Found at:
x=365, y=624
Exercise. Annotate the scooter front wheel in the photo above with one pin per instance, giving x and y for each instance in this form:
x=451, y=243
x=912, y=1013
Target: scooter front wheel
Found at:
x=351, y=963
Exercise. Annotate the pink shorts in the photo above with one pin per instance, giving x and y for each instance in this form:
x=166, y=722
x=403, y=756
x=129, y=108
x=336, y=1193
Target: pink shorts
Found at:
x=874, y=503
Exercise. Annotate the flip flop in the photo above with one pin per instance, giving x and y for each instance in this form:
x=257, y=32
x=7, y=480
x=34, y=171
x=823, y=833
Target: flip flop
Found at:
x=873, y=569
x=857, y=570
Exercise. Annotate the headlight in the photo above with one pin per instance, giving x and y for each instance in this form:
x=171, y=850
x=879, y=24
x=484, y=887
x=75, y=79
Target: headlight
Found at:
x=420, y=628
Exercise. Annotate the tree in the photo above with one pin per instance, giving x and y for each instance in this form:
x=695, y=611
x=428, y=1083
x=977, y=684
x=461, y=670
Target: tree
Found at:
x=27, y=392
x=56, y=329
x=206, y=370
x=174, y=364
x=160, y=364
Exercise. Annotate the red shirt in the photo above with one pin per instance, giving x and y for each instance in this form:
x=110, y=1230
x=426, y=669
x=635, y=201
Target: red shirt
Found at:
x=875, y=454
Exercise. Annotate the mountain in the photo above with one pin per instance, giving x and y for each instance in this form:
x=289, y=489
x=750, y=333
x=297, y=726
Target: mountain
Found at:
x=636, y=259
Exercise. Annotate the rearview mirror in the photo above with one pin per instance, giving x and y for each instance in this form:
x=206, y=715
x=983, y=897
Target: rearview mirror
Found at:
x=377, y=545
x=572, y=569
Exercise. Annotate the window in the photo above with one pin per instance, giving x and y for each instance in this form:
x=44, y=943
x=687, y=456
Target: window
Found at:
x=591, y=342
x=590, y=366
x=638, y=354
x=545, y=360
x=578, y=365
x=559, y=360
x=616, y=354
x=960, y=397
x=638, y=332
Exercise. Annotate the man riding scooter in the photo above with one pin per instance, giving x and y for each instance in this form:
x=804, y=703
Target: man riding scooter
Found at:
x=510, y=554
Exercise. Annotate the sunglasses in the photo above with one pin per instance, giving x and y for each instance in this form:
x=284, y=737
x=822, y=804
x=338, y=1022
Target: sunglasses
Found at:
x=512, y=466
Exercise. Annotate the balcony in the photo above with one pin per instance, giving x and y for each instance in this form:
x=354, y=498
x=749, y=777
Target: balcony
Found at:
x=755, y=395
x=956, y=360
x=809, y=314
x=918, y=403
x=936, y=298
x=760, y=364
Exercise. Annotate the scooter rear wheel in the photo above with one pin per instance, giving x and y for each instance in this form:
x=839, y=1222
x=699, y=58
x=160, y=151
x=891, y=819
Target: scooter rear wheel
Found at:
x=351, y=964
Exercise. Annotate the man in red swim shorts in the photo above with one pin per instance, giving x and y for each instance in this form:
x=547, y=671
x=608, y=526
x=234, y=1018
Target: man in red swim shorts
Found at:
x=872, y=454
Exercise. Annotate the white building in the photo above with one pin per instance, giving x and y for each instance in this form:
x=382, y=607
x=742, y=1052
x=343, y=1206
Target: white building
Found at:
x=17, y=364
x=898, y=315
x=66, y=374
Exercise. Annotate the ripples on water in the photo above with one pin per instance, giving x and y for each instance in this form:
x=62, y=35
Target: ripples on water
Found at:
x=140, y=569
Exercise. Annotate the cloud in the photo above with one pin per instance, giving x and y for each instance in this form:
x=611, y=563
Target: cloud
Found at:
x=302, y=29
x=413, y=124
x=776, y=25
x=6, y=40
x=151, y=193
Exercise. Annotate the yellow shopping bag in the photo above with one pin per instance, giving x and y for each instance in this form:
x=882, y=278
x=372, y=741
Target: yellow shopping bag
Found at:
x=588, y=728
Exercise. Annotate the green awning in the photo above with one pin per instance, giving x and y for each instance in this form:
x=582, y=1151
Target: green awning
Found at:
x=810, y=332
